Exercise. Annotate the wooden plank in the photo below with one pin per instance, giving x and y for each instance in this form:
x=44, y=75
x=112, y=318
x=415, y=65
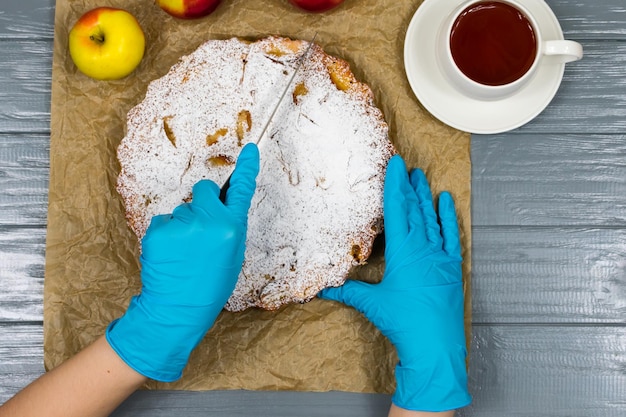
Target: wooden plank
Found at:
x=21, y=357
x=24, y=175
x=30, y=19
x=591, y=96
x=582, y=19
x=514, y=371
x=21, y=274
x=556, y=371
x=517, y=370
x=548, y=275
x=253, y=403
x=582, y=181
x=590, y=100
x=25, y=80
x=523, y=275
x=577, y=265
x=596, y=83
x=541, y=371
x=549, y=180
x=579, y=19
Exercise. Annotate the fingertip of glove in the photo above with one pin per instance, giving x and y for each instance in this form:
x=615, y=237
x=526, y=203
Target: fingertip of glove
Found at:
x=249, y=156
x=327, y=294
x=243, y=180
x=250, y=148
x=332, y=294
x=418, y=177
x=205, y=187
x=418, y=173
x=204, y=194
x=396, y=178
x=246, y=170
x=446, y=203
x=346, y=292
x=396, y=164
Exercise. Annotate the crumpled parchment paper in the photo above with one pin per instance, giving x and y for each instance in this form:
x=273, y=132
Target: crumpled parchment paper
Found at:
x=91, y=260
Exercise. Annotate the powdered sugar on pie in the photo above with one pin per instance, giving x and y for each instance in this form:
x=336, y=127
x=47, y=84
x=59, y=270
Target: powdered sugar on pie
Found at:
x=318, y=203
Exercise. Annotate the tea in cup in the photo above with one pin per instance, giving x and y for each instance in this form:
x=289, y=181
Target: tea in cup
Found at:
x=490, y=49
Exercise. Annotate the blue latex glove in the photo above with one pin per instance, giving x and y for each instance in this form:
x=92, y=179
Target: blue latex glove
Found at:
x=190, y=263
x=418, y=305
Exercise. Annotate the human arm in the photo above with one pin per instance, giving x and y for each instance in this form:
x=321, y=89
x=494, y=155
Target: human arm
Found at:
x=102, y=380
x=91, y=383
x=418, y=305
x=190, y=263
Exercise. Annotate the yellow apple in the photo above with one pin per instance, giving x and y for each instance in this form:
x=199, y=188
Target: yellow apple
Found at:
x=188, y=9
x=107, y=43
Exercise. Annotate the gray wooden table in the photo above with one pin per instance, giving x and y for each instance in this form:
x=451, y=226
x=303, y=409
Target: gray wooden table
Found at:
x=549, y=240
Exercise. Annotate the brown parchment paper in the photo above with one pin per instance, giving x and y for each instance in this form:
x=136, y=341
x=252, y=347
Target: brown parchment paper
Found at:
x=91, y=257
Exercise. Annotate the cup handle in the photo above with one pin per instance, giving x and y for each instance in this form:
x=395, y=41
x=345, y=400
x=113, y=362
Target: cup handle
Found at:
x=564, y=50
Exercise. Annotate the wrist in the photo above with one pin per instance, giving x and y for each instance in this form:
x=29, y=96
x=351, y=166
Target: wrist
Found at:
x=155, y=339
x=436, y=381
x=396, y=411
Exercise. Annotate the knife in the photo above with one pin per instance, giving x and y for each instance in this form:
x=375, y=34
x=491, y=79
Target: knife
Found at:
x=301, y=61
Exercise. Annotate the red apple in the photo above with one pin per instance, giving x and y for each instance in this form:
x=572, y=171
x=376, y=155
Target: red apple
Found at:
x=316, y=5
x=188, y=9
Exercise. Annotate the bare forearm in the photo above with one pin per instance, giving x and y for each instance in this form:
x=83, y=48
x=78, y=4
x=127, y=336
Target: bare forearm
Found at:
x=91, y=384
x=401, y=412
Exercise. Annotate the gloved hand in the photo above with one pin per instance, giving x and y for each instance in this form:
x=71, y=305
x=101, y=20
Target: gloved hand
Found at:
x=418, y=305
x=190, y=263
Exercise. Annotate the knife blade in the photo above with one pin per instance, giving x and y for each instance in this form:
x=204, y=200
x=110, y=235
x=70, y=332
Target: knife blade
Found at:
x=268, y=122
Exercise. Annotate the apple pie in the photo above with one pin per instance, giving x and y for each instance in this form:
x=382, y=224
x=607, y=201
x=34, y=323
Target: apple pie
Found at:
x=318, y=202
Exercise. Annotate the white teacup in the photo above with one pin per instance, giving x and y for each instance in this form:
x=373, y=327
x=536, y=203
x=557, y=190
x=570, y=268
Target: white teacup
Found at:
x=490, y=49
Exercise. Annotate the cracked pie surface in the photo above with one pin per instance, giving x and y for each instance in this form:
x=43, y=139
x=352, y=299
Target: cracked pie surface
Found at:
x=318, y=203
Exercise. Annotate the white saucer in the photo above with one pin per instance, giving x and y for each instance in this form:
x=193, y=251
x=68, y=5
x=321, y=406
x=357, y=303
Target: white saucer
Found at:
x=455, y=109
